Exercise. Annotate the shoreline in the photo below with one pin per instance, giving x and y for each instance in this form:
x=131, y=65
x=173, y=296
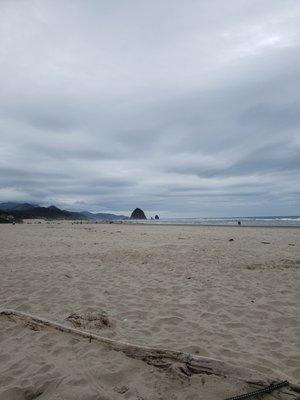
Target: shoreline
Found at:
x=128, y=223
x=205, y=225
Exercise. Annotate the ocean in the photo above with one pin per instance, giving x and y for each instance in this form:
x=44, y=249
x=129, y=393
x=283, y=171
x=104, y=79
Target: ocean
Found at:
x=284, y=221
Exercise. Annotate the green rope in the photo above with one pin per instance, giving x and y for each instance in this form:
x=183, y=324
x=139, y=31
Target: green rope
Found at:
x=268, y=389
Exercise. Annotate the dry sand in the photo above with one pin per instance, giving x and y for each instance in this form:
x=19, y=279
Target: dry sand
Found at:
x=179, y=287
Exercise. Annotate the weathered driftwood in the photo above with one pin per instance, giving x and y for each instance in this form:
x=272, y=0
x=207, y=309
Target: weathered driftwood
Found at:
x=162, y=358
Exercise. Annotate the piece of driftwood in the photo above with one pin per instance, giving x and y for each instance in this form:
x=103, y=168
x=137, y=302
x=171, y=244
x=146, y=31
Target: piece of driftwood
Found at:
x=162, y=358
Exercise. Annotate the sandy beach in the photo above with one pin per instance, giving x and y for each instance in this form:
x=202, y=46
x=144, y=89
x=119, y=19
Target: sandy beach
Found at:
x=229, y=293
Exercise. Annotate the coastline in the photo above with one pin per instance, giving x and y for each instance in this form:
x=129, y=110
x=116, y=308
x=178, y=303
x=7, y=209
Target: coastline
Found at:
x=206, y=225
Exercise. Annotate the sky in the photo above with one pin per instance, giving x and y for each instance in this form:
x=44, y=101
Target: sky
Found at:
x=182, y=108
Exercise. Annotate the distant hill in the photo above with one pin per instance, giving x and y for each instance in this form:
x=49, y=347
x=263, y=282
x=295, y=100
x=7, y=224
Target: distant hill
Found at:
x=103, y=216
x=10, y=216
x=29, y=210
x=26, y=210
x=13, y=206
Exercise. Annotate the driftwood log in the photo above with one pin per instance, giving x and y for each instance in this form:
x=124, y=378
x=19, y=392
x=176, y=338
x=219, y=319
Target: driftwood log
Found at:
x=161, y=358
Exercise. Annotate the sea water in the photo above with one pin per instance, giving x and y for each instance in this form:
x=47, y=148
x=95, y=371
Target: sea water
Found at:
x=287, y=221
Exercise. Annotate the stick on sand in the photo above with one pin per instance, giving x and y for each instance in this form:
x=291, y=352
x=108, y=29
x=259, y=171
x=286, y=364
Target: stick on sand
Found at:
x=161, y=358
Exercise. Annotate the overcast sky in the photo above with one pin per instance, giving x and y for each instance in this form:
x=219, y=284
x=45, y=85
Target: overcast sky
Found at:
x=182, y=108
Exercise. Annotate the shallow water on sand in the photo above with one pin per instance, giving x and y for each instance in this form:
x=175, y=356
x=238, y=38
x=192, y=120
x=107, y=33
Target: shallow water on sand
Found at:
x=229, y=221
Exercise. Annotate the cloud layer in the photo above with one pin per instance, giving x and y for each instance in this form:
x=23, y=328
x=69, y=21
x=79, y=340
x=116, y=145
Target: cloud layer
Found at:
x=183, y=108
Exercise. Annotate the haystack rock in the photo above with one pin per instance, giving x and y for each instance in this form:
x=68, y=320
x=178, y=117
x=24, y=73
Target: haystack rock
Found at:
x=156, y=217
x=138, y=214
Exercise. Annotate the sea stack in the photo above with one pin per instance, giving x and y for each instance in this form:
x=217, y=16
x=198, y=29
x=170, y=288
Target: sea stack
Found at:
x=138, y=214
x=156, y=217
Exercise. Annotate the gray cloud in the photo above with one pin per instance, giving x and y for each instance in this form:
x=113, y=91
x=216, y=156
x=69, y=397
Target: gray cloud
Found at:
x=187, y=108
